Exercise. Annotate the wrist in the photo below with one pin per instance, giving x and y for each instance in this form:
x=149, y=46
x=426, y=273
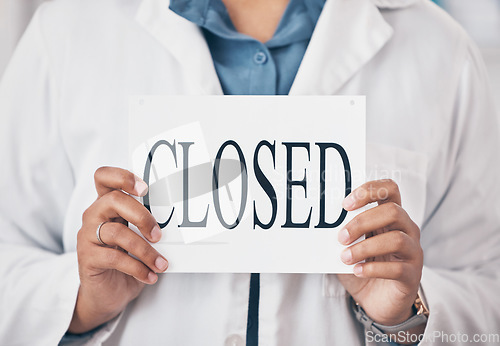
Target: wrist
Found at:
x=86, y=317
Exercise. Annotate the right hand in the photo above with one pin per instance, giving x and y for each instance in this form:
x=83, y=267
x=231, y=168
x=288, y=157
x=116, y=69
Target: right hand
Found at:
x=109, y=277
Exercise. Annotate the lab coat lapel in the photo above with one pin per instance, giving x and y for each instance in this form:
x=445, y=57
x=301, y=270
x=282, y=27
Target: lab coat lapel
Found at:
x=348, y=34
x=185, y=42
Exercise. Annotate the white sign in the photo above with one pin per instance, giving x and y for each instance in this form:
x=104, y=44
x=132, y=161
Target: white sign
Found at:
x=245, y=184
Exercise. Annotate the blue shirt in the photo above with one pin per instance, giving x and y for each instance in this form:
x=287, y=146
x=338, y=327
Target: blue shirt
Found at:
x=244, y=65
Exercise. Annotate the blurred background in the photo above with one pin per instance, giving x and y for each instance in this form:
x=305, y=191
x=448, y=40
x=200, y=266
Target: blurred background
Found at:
x=481, y=18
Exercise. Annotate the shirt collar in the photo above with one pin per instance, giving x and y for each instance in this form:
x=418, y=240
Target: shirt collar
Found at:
x=296, y=24
x=305, y=12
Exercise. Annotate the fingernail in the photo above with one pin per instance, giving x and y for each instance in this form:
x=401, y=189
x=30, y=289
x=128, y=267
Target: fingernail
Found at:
x=161, y=263
x=140, y=187
x=156, y=233
x=152, y=277
x=346, y=256
x=358, y=270
x=344, y=236
x=349, y=202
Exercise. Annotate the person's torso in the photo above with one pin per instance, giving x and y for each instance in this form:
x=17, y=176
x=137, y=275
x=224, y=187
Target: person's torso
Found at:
x=107, y=55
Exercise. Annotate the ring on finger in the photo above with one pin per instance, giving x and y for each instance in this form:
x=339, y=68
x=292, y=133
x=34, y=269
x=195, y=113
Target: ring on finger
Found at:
x=98, y=233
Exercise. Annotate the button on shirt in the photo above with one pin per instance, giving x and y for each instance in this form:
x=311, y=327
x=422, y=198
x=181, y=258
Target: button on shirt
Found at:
x=244, y=65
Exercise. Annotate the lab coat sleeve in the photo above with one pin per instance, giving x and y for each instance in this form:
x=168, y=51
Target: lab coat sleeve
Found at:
x=38, y=279
x=461, y=234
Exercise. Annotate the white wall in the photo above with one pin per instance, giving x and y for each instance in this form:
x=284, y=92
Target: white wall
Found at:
x=481, y=18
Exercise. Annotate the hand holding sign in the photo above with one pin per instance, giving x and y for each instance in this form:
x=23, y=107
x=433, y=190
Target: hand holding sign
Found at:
x=109, y=277
x=387, y=283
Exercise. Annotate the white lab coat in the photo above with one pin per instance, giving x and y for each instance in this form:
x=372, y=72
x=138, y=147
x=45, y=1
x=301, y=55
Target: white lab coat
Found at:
x=63, y=106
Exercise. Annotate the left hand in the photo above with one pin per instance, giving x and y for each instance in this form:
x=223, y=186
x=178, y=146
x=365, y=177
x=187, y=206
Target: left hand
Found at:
x=386, y=285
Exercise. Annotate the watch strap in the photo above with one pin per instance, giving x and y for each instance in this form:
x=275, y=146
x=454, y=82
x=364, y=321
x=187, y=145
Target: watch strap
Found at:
x=377, y=328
